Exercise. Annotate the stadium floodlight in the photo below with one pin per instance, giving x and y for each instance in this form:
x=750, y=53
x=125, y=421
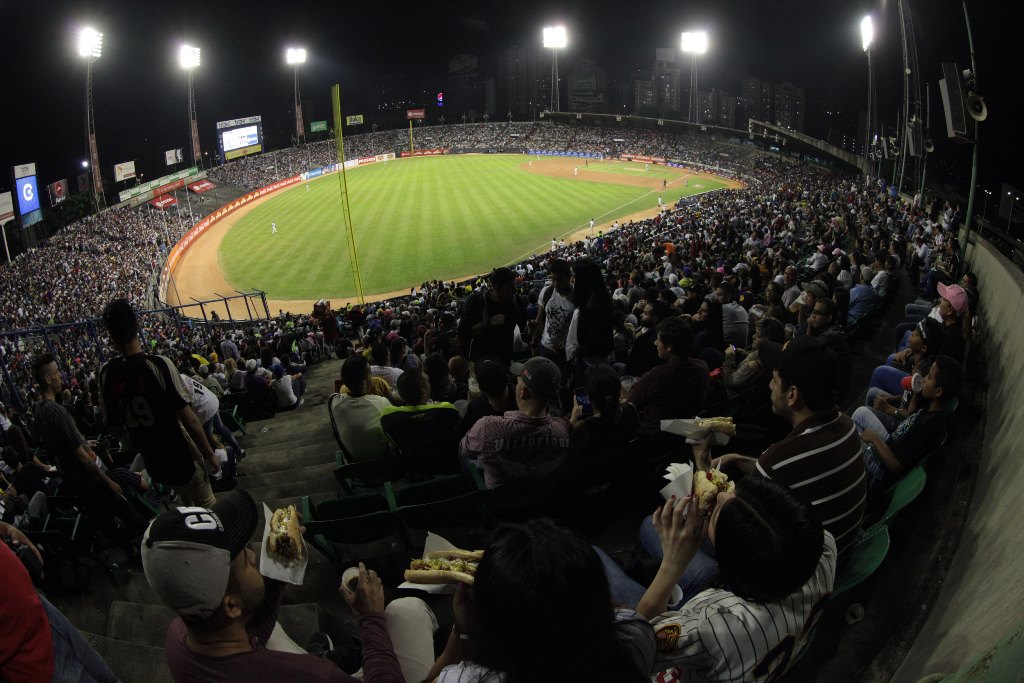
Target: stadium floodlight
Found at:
x=294, y=56
x=695, y=43
x=867, y=33
x=85, y=164
x=90, y=43
x=188, y=57
x=556, y=38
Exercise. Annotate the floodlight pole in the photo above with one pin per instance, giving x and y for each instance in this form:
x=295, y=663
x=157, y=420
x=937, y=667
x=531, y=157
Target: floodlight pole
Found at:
x=695, y=116
x=554, y=80
x=870, y=118
x=197, y=154
x=98, y=201
x=299, y=136
x=969, y=217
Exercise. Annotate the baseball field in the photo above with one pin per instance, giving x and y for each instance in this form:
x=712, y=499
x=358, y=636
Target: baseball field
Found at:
x=421, y=219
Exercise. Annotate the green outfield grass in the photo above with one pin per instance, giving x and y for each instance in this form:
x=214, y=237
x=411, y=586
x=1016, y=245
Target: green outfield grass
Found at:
x=633, y=169
x=415, y=220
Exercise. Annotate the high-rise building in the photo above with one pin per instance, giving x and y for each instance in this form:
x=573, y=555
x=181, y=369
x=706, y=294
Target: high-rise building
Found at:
x=525, y=81
x=725, y=109
x=666, y=80
x=765, y=106
x=587, y=86
x=643, y=102
x=789, y=106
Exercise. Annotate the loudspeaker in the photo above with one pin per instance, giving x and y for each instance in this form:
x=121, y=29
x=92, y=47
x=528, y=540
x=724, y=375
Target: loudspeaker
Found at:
x=951, y=88
x=929, y=146
x=976, y=108
x=914, y=142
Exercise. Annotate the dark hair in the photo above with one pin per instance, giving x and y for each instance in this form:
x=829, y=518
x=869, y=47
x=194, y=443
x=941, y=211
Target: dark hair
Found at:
x=119, y=319
x=411, y=385
x=772, y=329
x=589, y=283
x=676, y=333
x=727, y=287
x=659, y=310
x=768, y=542
x=560, y=266
x=492, y=376
x=379, y=353
x=604, y=387
x=948, y=375
x=40, y=363
x=354, y=372
x=539, y=564
x=936, y=336
x=501, y=277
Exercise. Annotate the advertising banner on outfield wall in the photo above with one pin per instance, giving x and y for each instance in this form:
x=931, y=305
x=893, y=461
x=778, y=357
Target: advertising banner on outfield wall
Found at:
x=58, y=191
x=556, y=153
x=426, y=152
x=173, y=156
x=415, y=114
x=124, y=171
x=354, y=120
x=318, y=126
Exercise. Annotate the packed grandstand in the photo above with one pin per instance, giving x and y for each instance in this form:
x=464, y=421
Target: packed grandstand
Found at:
x=746, y=303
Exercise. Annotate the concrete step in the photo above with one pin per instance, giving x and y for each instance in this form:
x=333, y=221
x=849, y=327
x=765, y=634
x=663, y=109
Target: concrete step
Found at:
x=144, y=624
x=255, y=444
x=132, y=662
x=285, y=460
x=323, y=484
x=287, y=474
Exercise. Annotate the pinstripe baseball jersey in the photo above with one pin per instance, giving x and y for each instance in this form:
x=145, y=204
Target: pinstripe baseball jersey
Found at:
x=821, y=463
x=719, y=636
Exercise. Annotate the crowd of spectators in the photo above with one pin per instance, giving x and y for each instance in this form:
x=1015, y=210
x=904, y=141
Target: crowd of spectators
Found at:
x=747, y=296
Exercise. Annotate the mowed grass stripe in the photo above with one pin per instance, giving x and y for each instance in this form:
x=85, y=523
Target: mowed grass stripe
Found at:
x=418, y=219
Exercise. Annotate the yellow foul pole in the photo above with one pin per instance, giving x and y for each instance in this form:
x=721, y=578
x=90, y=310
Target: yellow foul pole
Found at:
x=412, y=151
x=343, y=189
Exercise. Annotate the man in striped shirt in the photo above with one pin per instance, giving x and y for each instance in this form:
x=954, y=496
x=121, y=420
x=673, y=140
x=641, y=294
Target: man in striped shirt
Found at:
x=820, y=459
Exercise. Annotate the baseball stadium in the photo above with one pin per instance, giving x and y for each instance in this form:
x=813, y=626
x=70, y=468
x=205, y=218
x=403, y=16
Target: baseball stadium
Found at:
x=642, y=380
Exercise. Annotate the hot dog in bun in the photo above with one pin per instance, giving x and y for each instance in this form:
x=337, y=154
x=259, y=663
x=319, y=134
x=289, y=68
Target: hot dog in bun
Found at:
x=284, y=543
x=707, y=486
x=445, y=566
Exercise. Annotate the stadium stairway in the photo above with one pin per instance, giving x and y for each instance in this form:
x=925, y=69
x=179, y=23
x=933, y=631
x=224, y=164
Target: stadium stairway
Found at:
x=287, y=457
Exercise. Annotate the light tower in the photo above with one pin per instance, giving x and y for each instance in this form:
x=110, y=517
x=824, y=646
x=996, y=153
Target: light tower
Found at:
x=555, y=38
x=90, y=46
x=188, y=58
x=296, y=56
x=695, y=43
x=867, y=36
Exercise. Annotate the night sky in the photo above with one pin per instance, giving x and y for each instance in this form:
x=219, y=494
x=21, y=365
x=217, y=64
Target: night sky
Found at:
x=140, y=92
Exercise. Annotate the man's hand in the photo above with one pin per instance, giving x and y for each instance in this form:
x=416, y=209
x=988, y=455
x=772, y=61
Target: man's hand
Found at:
x=903, y=355
x=680, y=529
x=870, y=436
x=214, y=464
x=498, y=319
x=882, y=402
x=702, y=453
x=368, y=597
x=115, y=488
x=730, y=350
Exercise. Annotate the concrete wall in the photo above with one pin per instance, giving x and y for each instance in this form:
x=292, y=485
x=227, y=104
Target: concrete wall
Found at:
x=983, y=594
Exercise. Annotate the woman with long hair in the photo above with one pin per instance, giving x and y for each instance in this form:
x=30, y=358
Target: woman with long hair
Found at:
x=540, y=610
x=742, y=369
x=589, y=343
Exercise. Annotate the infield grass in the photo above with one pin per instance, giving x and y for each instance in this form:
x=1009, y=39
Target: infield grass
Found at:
x=416, y=220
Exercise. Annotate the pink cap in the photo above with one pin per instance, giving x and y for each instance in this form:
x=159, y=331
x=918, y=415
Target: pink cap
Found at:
x=956, y=296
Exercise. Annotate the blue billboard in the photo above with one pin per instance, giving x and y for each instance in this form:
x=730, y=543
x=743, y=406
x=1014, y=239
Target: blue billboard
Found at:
x=28, y=194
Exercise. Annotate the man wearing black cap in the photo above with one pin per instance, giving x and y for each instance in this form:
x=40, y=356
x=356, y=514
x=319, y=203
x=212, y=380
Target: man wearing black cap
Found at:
x=197, y=562
x=820, y=459
x=522, y=443
x=489, y=319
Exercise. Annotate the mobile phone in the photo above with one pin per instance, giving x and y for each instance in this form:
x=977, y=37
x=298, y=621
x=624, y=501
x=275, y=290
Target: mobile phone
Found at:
x=584, y=400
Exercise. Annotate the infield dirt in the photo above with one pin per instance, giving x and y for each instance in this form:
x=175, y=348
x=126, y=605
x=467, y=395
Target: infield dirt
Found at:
x=199, y=275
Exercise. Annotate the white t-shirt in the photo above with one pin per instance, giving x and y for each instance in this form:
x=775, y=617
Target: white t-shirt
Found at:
x=557, y=314
x=285, y=394
x=204, y=401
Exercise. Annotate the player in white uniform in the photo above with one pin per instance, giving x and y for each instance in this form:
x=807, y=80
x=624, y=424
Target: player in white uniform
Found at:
x=273, y=228
x=760, y=615
x=575, y=170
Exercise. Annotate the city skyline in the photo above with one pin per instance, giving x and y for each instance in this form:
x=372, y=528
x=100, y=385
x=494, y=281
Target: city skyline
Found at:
x=140, y=94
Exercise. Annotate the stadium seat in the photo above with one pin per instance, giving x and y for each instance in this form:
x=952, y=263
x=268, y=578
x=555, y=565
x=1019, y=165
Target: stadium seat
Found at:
x=453, y=502
x=353, y=520
x=334, y=398
x=901, y=495
x=865, y=557
x=371, y=474
x=233, y=420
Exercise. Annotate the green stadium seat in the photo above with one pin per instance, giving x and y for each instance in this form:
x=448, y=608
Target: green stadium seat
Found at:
x=902, y=494
x=865, y=557
x=371, y=474
x=353, y=520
